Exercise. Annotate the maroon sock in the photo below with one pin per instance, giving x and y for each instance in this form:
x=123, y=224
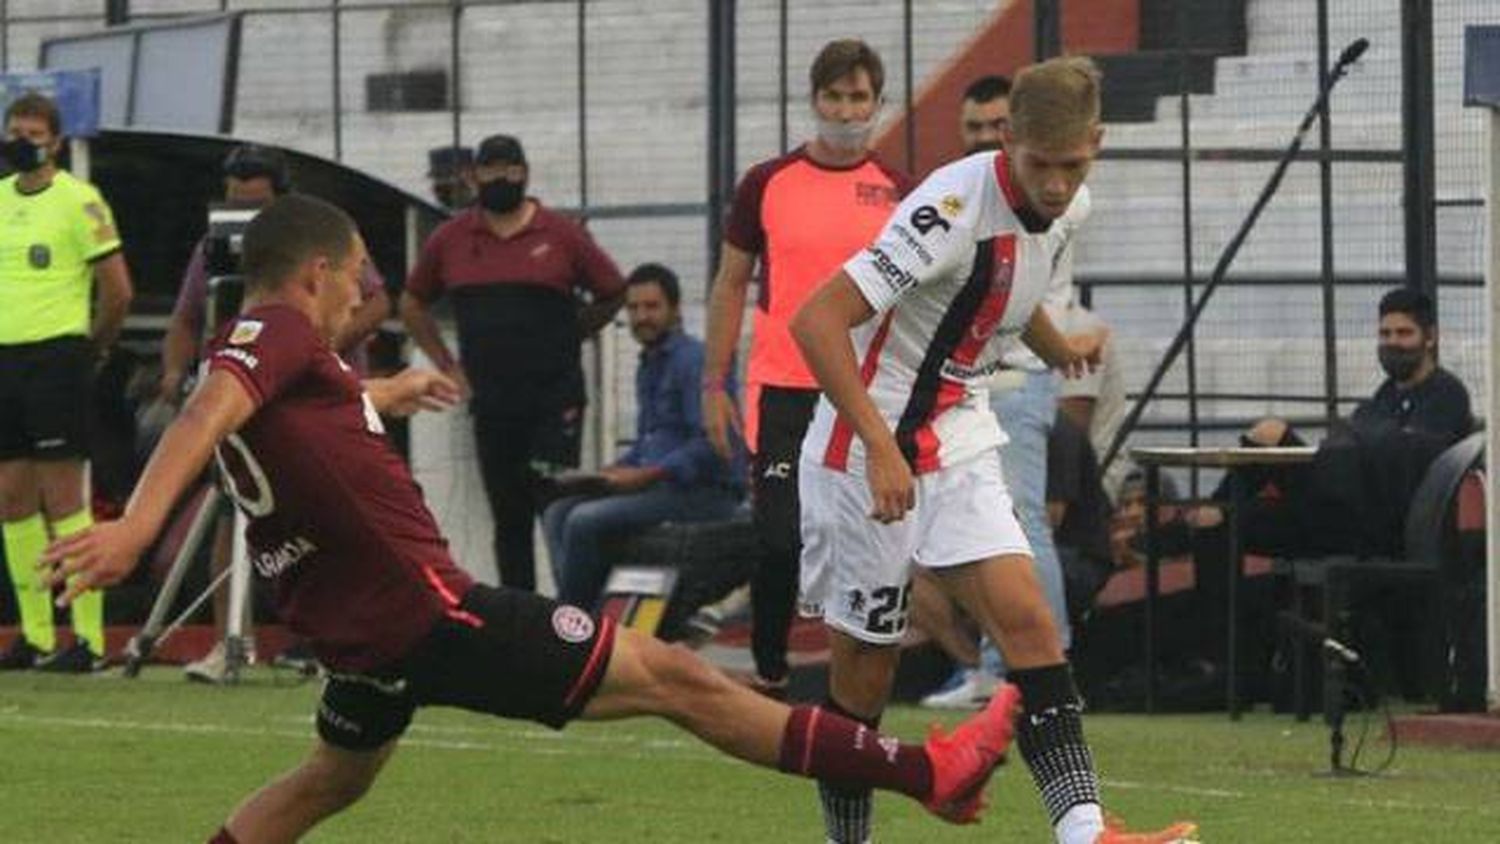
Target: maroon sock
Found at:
x=822, y=745
x=223, y=837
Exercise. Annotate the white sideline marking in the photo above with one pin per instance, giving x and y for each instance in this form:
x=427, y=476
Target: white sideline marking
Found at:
x=1194, y=791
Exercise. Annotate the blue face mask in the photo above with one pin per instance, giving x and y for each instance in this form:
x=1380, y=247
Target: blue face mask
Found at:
x=23, y=155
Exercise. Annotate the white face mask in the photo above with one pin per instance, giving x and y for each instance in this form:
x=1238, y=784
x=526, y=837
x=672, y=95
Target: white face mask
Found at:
x=853, y=136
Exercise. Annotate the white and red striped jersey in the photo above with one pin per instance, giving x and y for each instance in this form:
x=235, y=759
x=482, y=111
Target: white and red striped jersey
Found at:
x=954, y=275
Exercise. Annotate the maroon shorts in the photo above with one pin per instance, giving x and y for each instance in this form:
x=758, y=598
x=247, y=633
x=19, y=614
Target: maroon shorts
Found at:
x=518, y=656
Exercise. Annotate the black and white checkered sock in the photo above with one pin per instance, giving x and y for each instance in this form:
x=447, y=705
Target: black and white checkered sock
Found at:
x=846, y=809
x=1049, y=734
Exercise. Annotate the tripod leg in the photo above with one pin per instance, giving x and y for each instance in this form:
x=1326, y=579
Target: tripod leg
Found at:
x=139, y=649
x=237, y=629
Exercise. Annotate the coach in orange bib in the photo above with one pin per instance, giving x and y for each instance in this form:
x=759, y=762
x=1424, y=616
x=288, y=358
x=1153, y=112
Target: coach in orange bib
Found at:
x=798, y=217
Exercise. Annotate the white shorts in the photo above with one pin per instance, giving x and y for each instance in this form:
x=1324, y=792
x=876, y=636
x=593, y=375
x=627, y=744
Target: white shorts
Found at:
x=856, y=571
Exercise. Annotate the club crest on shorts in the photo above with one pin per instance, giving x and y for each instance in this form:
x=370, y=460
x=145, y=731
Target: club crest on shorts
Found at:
x=572, y=624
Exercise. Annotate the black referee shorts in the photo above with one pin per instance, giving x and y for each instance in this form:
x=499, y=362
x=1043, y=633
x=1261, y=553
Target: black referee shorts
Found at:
x=46, y=395
x=528, y=657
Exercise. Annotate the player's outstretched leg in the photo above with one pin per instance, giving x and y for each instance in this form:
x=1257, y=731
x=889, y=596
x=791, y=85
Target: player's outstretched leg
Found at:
x=946, y=774
x=328, y=781
x=1003, y=593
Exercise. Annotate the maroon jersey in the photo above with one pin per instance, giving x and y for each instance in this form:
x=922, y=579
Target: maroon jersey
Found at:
x=336, y=520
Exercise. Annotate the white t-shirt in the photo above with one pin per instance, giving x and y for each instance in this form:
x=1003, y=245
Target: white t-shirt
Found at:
x=954, y=274
x=1105, y=385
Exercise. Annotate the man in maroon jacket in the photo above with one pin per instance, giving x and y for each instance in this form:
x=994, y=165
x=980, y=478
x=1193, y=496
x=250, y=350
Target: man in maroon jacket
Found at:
x=360, y=569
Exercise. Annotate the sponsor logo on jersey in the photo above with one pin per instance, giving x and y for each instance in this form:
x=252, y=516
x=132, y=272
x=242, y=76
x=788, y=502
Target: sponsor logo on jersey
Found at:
x=245, y=358
x=572, y=624
x=245, y=331
x=870, y=193
x=273, y=562
x=912, y=242
x=39, y=256
x=926, y=218
x=898, y=278
x=955, y=371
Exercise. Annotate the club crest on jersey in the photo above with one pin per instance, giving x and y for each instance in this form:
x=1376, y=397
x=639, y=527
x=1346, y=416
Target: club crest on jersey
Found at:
x=572, y=624
x=245, y=331
x=951, y=205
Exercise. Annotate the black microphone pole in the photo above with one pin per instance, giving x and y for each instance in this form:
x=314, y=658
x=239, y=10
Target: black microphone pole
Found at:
x=1350, y=55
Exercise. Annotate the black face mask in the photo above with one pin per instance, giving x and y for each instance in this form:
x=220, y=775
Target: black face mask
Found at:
x=984, y=146
x=454, y=195
x=23, y=155
x=1400, y=363
x=501, y=196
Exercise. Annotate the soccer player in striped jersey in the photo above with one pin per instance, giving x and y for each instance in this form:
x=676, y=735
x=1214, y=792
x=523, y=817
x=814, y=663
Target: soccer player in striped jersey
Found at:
x=900, y=463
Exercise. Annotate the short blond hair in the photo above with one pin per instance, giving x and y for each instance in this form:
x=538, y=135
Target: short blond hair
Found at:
x=1056, y=102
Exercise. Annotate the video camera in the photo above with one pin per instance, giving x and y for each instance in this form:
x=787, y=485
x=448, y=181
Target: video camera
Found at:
x=223, y=247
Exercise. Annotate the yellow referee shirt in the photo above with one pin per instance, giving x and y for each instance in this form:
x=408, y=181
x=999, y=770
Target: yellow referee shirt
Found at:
x=48, y=243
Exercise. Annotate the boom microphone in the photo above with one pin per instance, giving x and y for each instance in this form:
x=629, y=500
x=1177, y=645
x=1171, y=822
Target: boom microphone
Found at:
x=1351, y=53
x=1300, y=628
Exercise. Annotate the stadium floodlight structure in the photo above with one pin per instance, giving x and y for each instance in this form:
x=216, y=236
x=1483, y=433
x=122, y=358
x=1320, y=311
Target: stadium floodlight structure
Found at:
x=1482, y=89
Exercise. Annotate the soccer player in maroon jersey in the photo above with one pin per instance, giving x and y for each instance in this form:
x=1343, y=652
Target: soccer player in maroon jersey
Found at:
x=360, y=569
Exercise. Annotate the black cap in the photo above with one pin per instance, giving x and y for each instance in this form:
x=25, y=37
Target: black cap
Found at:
x=448, y=162
x=500, y=149
x=251, y=161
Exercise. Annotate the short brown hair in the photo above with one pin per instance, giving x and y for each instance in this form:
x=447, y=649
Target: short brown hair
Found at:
x=289, y=231
x=1056, y=102
x=32, y=104
x=840, y=58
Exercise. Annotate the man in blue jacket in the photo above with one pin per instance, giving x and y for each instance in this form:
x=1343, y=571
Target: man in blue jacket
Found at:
x=671, y=473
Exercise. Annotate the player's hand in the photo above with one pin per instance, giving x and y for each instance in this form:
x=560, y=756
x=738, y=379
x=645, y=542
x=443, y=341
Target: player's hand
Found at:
x=629, y=478
x=721, y=420
x=892, y=489
x=1085, y=352
x=413, y=389
x=93, y=558
x=456, y=374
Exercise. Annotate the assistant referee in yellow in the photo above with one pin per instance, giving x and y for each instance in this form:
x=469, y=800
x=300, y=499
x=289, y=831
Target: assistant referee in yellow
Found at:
x=57, y=237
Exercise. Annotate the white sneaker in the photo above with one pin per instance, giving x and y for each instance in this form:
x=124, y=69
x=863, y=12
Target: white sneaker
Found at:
x=210, y=669
x=968, y=688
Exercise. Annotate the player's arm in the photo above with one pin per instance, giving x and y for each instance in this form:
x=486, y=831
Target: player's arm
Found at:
x=105, y=553
x=412, y=389
x=1072, y=354
x=726, y=311
x=112, y=278
x=424, y=331
x=821, y=329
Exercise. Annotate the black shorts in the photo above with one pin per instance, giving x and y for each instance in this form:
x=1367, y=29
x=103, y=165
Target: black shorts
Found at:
x=784, y=416
x=46, y=390
x=529, y=657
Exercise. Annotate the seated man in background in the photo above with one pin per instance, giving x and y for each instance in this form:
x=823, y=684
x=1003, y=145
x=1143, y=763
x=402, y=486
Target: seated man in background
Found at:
x=671, y=473
x=1353, y=498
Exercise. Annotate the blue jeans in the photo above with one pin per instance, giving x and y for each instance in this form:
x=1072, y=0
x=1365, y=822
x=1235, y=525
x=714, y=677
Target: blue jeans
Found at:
x=1027, y=415
x=576, y=527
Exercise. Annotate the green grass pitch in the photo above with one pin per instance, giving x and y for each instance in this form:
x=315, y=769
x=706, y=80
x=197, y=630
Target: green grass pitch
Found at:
x=101, y=759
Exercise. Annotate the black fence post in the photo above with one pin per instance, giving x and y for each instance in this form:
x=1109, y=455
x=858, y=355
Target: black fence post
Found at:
x=721, y=128
x=1047, y=32
x=1418, y=145
x=1325, y=203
